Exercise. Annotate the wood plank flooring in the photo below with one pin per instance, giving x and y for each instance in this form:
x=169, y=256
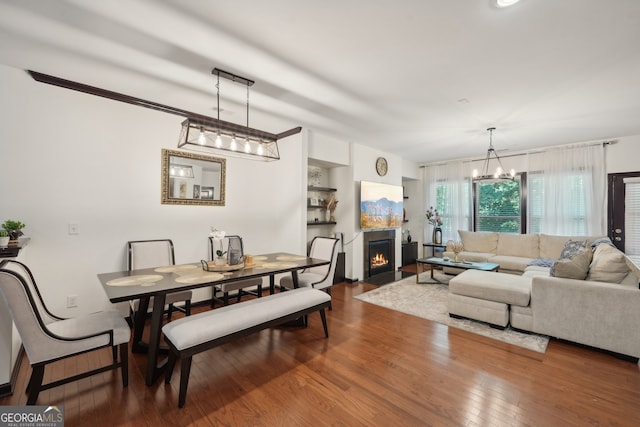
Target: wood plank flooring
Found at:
x=377, y=368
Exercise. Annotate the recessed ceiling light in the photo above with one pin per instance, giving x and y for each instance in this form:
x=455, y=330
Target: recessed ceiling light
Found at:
x=506, y=3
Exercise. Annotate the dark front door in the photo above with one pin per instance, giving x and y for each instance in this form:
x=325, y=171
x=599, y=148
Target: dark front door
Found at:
x=617, y=209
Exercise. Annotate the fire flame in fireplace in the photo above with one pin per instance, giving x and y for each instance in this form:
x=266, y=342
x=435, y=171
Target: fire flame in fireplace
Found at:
x=379, y=260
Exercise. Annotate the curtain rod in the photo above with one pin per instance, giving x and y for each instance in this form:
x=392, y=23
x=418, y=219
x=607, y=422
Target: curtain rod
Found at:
x=604, y=144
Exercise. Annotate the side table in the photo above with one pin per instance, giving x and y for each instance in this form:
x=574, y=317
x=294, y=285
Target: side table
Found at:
x=434, y=248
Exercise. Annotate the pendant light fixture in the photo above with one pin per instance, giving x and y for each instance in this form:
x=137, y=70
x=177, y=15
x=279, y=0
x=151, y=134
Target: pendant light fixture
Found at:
x=499, y=173
x=199, y=132
x=228, y=138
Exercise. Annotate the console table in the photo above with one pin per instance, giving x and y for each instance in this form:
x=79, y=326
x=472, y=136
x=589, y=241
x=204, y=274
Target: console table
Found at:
x=435, y=247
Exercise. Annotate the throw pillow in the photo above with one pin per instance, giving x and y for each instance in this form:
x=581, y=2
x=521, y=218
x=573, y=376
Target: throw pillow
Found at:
x=608, y=265
x=572, y=247
x=574, y=267
x=541, y=262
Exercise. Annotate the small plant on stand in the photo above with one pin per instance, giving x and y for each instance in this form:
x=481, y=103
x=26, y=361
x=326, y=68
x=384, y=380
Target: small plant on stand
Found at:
x=4, y=238
x=13, y=228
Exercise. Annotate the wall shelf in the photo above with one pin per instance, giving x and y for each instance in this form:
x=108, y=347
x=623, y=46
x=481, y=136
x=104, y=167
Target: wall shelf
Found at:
x=323, y=189
x=315, y=197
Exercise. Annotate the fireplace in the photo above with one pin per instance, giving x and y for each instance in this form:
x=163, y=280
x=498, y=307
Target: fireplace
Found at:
x=379, y=252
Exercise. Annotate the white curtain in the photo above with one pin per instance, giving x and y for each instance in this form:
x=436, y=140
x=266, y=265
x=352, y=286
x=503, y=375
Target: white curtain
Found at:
x=574, y=186
x=454, y=203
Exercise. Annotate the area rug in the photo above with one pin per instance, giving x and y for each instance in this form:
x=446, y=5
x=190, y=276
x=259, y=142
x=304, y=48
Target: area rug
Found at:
x=430, y=302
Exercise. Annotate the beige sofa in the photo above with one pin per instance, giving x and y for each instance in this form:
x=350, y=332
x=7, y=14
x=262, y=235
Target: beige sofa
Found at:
x=602, y=310
x=513, y=252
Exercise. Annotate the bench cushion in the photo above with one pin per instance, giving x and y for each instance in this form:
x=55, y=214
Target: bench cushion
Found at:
x=498, y=287
x=203, y=327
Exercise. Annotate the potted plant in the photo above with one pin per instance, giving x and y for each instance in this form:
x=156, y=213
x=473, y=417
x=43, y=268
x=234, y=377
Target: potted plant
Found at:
x=4, y=238
x=14, y=228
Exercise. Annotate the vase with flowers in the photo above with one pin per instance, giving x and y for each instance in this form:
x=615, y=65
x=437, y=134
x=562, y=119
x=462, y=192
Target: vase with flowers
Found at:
x=456, y=247
x=218, y=237
x=330, y=203
x=434, y=218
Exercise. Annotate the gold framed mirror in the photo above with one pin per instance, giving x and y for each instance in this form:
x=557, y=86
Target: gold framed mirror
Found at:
x=192, y=179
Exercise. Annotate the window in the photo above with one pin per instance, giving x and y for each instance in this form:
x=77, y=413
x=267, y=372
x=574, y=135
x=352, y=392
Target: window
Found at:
x=632, y=218
x=572, y=212
x=452, y=203
x=536, y=202
x=499, y=205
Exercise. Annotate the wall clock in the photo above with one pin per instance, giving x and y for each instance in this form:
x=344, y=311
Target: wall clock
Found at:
x=381, y=166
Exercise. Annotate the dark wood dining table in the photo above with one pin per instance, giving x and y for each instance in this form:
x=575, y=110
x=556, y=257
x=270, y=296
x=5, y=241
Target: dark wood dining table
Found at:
x=157, y=282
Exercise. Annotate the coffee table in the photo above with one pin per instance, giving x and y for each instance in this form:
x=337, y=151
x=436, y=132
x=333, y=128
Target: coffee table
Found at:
x=441, y=262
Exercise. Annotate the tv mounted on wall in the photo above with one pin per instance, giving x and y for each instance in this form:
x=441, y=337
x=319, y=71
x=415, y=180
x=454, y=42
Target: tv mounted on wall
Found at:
x=380, y=205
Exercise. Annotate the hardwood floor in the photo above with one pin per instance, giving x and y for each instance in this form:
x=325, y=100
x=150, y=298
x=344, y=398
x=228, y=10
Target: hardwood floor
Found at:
x=378, y=367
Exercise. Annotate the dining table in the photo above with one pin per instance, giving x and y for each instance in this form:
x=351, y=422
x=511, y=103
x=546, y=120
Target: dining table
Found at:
x=122, y=286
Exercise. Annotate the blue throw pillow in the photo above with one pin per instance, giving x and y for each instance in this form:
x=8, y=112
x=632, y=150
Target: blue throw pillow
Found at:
x=572, y=247
x=541, y=262
x=604, y=240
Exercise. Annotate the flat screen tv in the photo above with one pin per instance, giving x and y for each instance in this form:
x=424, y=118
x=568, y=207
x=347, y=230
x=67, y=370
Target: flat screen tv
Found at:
x=380, y=205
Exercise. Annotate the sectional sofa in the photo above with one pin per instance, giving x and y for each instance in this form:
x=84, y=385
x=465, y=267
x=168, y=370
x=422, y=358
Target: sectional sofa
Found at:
x=545, y=285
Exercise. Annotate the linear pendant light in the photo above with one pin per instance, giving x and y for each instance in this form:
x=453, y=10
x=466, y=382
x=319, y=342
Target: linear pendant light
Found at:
x=195, y=120
x=207, y=135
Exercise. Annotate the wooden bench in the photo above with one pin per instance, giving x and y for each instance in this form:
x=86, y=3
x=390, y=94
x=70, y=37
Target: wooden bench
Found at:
x=200, y=332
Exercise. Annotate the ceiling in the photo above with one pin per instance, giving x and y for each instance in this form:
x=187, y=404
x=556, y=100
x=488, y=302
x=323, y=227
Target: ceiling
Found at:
x=423, y=79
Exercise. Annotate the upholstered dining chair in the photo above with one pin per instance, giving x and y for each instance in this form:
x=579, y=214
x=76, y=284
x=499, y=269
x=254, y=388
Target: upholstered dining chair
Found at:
x=48, y=338
x=317, y=277
x=235, y=253
x=156, y=253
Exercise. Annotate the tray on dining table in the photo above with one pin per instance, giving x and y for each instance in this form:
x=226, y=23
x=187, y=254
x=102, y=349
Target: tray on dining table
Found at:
x=212, y=266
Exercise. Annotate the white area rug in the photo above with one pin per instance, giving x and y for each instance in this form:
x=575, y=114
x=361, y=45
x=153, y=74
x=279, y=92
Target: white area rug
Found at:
x=430, y=302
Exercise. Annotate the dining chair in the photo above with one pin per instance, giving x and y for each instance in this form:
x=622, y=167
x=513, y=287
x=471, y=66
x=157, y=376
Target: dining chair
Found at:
x=48, y=338
x=235, y=255
x=156, y=253
x=320, y=277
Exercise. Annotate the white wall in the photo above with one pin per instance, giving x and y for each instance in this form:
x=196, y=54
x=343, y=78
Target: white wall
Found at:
x=69, y=157
x=624, y=155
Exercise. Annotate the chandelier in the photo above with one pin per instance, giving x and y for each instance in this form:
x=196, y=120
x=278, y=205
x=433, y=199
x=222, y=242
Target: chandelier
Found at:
x=499, y=173
x=209, y=134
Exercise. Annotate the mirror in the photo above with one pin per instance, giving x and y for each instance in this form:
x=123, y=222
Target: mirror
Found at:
x=192, y=179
